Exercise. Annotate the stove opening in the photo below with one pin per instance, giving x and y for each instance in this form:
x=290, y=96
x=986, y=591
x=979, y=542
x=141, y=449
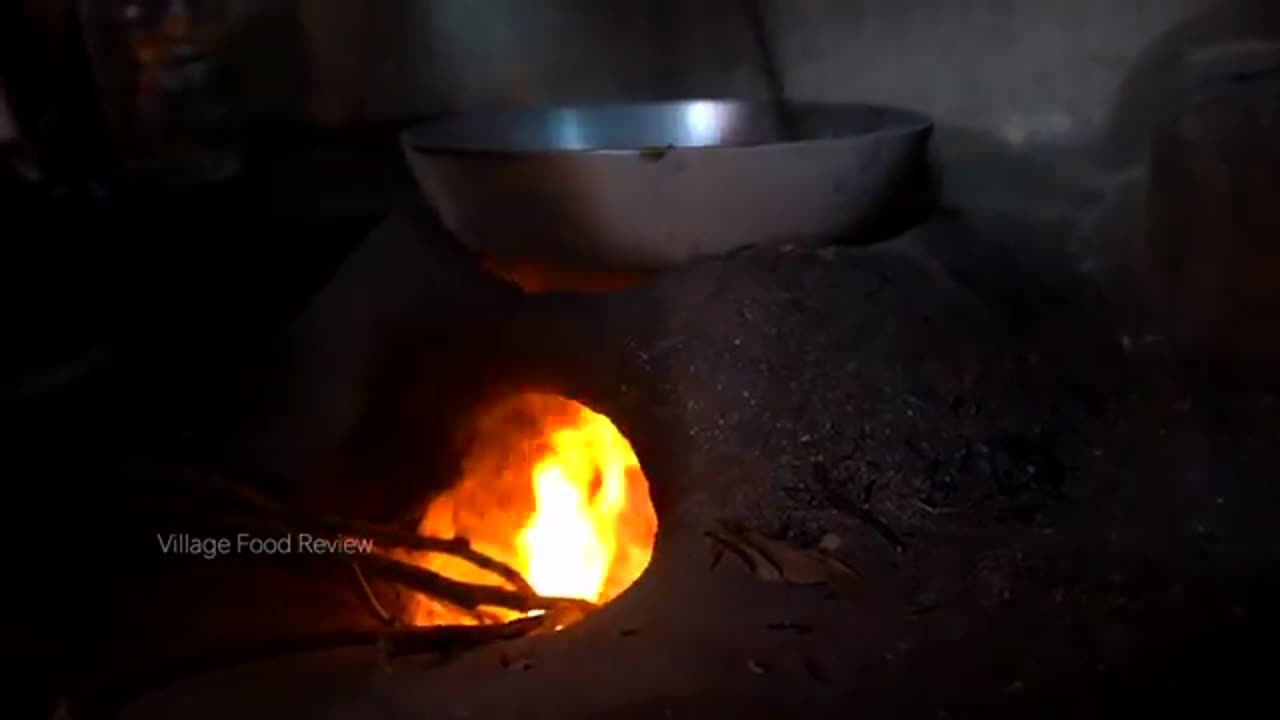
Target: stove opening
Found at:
x=552, y=489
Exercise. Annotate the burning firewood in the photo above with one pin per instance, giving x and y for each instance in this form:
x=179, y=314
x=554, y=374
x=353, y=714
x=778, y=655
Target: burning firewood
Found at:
x=551, y=533
x=265, y=514
x=470, y=596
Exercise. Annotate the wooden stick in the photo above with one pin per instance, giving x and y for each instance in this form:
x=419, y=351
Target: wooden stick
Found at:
x=375, y=604
x=379, y=534
x=464, y=595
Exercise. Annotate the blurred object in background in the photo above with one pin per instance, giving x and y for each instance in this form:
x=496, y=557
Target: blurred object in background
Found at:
x=8, y=125
x=1213, y=245
x=17, y=162
x=50, y=97
x=167, y=86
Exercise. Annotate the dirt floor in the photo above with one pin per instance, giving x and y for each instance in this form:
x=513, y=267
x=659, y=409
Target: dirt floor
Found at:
x=1048, y=510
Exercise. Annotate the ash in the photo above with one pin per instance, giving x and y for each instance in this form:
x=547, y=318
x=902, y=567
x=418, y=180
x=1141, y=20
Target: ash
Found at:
x=874, y=383
x=961, y=380
x=964, y=385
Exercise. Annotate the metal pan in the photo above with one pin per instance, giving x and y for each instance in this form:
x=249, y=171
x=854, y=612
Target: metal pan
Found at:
x=650, y=185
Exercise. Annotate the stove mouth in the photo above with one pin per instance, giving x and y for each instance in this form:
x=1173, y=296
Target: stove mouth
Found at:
x=548, y=518
x=552, y=495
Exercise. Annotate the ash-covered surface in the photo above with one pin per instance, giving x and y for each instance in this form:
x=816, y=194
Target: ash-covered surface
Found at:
x=876, y=385
x=960, y=379
x=1051, y=514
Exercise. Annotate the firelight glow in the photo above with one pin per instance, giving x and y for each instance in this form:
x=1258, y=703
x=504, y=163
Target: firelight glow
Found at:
x=554, y=490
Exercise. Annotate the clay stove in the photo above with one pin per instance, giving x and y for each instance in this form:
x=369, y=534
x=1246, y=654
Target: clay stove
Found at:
x=849, y=497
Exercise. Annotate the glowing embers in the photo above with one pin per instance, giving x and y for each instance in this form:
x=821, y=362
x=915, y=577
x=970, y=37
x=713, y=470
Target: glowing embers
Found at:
x=552, y=489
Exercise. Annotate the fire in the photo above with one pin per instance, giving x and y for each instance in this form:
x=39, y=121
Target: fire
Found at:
x=551, y=488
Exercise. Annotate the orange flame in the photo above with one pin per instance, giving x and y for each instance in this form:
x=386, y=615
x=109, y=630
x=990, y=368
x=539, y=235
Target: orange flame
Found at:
x=552, y=489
